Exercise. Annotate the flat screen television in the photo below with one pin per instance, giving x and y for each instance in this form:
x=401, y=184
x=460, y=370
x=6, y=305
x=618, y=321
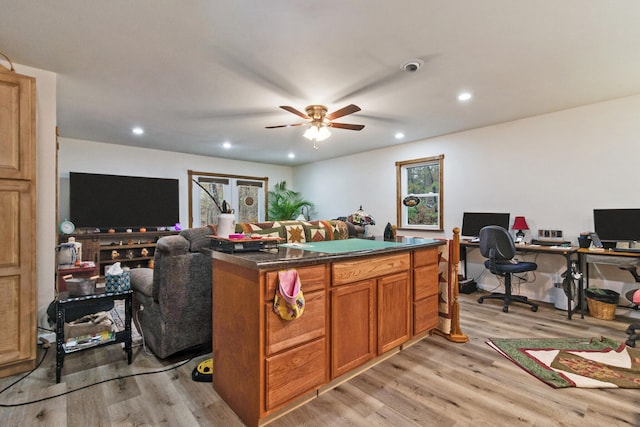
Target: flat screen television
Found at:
x=614, y=225
x=120, y=202
x=473, y=222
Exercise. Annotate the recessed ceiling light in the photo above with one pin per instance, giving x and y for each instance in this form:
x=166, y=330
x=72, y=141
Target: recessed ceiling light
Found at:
x=137, y=130
x=399, y=135
x=292, y=156
x=464, y=96
x=226, y=145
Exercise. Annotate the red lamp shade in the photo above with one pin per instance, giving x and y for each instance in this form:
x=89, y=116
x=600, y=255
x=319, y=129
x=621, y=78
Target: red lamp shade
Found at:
x=520, y=224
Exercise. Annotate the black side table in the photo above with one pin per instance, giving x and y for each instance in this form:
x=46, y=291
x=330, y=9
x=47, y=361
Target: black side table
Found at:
x=63, y=302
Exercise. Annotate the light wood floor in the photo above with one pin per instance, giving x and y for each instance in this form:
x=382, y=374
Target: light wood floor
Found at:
x=433, y=383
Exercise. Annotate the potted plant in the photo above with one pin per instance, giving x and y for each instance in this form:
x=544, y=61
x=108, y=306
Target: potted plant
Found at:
x=284, y=203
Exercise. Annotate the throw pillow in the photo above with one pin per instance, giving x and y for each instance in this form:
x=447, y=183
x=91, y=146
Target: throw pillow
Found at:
x=315, y=233
x=269, y=232
x=295, y=234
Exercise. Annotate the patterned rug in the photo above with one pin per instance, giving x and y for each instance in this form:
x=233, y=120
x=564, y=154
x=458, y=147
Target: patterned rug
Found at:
x=574, y=362
x=117, y=315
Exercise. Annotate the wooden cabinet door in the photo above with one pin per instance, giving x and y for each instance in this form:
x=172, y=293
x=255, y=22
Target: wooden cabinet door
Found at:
x=291, y=374
x=394, y=303
x=353, y=326
x=17, y=126
x=18, y=225
x=17, y=278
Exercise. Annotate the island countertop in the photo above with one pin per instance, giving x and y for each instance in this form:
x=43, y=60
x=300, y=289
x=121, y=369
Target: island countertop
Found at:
x=310, y=253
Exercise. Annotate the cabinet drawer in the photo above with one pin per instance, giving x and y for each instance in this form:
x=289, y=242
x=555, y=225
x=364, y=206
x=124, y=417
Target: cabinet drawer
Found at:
x=312, y=278
x=291, y=374
x=425, y=314
x=425, y=281
x=354, y=271
x=283, y=334
x=425, y=257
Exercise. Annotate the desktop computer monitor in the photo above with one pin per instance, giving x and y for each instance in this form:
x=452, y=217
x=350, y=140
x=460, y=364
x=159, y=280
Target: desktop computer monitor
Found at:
x=473, y=222
x=613, y=225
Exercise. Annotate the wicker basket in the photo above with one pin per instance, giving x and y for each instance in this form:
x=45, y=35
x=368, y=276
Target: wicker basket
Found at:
x=601, y=310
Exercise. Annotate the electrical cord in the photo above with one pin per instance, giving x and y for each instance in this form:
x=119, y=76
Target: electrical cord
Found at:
x=46, y=345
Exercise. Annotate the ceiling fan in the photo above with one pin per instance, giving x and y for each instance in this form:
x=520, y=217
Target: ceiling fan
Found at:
x=320, y=122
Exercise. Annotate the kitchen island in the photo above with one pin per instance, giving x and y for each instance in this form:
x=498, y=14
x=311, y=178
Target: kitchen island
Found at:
x=364, y=300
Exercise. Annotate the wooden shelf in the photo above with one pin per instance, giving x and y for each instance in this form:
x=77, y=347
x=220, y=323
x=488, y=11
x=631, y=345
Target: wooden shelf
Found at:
x=98, y=247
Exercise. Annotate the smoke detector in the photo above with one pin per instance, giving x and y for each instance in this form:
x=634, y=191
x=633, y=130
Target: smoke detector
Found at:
x=412, y=65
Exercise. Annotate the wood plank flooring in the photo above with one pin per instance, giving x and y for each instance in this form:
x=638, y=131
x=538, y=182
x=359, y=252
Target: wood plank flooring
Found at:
x=433, y=383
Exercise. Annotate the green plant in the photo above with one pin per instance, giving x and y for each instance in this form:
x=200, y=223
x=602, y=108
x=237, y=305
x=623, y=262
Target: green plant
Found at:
x=284, y=203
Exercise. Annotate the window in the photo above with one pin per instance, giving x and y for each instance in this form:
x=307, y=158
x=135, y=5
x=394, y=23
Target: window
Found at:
x=419, y=193
x=246, y=195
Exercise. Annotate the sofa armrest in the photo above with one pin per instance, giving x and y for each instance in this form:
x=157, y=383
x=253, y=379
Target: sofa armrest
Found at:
x=142, y=280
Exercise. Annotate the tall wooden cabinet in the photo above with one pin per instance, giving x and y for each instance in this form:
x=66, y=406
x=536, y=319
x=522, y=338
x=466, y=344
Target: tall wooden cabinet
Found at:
x=18, y=225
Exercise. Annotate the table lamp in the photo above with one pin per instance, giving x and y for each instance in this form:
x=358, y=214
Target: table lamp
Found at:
x=361, y=219
x=520, y=224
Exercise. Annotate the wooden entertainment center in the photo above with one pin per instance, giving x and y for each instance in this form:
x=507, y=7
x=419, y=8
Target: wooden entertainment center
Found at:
x=361, y=307
x=133, y=249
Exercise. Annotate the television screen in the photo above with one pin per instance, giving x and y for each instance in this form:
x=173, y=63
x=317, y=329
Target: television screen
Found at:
x=472, y=222
x=114, y=201
x=617, y=224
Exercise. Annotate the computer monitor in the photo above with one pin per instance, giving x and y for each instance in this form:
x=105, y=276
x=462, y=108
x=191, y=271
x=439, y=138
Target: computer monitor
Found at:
x=473, y=222
x=613, y=225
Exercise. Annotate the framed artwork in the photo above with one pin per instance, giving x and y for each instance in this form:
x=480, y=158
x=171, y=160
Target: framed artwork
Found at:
x=420, y=193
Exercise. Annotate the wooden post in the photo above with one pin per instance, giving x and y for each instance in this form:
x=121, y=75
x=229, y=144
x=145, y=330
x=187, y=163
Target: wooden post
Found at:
x=456, y=334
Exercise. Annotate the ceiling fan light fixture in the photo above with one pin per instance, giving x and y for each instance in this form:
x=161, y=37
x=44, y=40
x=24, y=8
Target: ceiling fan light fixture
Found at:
x=323, y=133
x=311, y=133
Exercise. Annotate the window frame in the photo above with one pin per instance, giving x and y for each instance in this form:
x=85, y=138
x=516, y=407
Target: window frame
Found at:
x=401, y=193
x=195, y=174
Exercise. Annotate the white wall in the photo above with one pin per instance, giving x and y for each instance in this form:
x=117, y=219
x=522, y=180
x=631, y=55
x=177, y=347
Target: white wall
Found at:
x=45, y=180
x=554, y=169
x=96, y=157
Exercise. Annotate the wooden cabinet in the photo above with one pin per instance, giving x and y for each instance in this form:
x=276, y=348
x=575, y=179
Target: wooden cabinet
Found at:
x=130, y=249
x=356, y=309
x=353, y=326
x=425, y=290
x=372, y=297
x=394, y=311
x=274, y=361
x=18, y=225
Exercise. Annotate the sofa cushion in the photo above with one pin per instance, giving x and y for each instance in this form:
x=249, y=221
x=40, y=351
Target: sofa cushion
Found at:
x=142, y=280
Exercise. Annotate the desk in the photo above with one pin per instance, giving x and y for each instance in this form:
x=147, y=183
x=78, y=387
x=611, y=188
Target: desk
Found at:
x=587, y=256
x=567, y=252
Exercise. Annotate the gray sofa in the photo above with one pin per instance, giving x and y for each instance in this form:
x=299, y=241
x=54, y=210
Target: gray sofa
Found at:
x=172, y=301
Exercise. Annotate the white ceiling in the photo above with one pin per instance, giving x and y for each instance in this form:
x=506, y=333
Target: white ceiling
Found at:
x=197, y=73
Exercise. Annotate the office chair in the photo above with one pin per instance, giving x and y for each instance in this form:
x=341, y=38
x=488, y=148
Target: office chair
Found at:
x=497, y=245
x=634, y=328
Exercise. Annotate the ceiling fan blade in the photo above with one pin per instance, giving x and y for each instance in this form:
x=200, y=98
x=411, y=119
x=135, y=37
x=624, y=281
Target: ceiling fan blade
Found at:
x=294, y=111
x=347, y=126
x=285, y=126
x=349, y=109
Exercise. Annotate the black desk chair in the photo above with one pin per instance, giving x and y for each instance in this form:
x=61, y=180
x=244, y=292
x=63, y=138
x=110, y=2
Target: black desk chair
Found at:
x=497, y=245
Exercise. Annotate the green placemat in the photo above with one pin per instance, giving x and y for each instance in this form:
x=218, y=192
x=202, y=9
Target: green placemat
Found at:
x=347, y=245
